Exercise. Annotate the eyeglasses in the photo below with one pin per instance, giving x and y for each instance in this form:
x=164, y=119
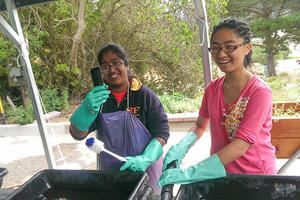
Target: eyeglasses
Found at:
x=226, y=49
x=106, y=66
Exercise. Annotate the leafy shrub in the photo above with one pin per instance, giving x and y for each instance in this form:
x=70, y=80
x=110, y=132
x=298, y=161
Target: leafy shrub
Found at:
x=51, y=100
x=281, y=111
x=25, y=114
x=22, y=115
x=259, y=55
x=64, y=99
x=178, y=103
x=285, y=87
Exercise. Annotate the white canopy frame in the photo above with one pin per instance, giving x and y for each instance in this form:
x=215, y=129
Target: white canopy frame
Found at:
x=15, y=34
x=203, y=33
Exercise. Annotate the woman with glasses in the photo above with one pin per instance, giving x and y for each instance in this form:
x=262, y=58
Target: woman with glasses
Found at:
x=238, y=107
x=127, y=115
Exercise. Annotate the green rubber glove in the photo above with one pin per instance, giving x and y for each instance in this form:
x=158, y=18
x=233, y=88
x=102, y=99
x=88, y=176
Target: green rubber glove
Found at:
x=209, y=168
x=178, y=151
x=150, y=155
x=87, y=112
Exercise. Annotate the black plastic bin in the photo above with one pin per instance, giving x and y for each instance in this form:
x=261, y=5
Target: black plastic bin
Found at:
x=82, y=185
x=3, y=172
x=243, y=187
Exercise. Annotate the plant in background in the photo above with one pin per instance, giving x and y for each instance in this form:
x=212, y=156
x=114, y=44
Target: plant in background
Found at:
x=21, y=115
x=276, y=22
x=282, y=111
x=66, y=76
x=259, y=54
x=64, y=99
x=285, y=87
x=52, y=101
x=178, y=103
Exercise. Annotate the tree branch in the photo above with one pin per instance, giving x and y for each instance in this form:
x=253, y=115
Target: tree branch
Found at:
x=77, y=37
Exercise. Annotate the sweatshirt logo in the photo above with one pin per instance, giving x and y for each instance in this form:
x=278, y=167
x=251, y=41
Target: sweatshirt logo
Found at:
x=134, y=111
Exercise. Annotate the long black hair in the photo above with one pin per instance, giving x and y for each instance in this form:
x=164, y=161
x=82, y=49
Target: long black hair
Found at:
x=241, y=29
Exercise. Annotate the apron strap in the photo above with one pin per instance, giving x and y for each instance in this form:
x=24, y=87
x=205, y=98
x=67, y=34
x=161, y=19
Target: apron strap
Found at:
x=128, y=96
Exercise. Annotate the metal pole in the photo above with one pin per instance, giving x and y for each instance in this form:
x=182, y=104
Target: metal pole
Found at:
x=28, y=74
x=203, y=29
x=286, y=165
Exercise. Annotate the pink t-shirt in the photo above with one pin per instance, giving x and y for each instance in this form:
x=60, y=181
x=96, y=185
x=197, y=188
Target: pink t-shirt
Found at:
x=249, y=118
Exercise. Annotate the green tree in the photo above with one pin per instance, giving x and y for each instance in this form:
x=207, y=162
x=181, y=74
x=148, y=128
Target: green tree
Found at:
x=161, y=38
x=277, y=22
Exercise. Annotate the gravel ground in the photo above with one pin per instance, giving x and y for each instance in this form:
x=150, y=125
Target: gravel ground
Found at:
x=23, y=156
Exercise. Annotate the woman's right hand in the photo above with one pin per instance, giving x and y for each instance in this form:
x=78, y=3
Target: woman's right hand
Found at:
x=178, y=151
x=87, y=112
x=95, y=98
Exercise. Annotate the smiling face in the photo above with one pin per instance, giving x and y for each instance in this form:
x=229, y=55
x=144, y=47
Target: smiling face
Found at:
x=229, y=62
x=115, y=77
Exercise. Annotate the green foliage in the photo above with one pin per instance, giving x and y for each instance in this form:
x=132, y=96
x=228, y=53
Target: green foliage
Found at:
x=178, y=103
x=64, y=99
x=67, y=75
x=161, y=38
x=277, y=32
x=275, y=21
x=285, y=87
x=215, y=10
x=7, y=52
x=259, y=55
x=283, y=55
x=51, y=100
x=162, y=43
x=22, y=115
x=25, y=114
x=281, y=111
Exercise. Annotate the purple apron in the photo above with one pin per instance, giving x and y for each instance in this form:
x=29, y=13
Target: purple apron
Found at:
x=123, y=134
